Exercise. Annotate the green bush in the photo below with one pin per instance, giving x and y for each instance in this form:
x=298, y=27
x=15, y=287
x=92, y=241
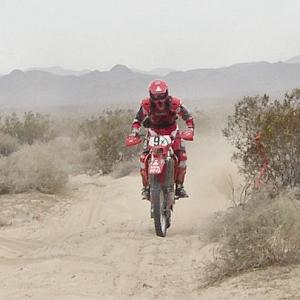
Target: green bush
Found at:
x=109, y=131
x=262, y=228
x=31, y=128
x=277, y=123
x=92, y=127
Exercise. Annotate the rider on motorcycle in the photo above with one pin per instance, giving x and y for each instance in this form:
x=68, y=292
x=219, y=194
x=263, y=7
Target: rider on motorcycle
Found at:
x=158, y=113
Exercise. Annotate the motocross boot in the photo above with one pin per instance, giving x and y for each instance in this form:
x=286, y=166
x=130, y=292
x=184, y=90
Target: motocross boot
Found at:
x=180, y=191
x=145, y=193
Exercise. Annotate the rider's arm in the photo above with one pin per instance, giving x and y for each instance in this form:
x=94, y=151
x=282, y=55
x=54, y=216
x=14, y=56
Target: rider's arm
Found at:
x=186, y=116
x=140, y=116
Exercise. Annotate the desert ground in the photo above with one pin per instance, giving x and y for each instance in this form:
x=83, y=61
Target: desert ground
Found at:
x=96, y=240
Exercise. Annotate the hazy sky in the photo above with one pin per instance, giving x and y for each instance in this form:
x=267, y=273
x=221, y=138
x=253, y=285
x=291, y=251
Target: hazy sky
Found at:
x=144, y=34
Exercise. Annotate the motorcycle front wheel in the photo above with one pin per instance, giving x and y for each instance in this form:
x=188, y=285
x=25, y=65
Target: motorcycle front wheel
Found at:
x=159, y=205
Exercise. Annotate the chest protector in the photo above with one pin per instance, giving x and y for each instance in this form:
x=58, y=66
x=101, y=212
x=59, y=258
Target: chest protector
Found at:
x=161, y=118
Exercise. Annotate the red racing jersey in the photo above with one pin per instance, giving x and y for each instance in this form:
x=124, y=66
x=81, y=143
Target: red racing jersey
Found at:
x=151, y=117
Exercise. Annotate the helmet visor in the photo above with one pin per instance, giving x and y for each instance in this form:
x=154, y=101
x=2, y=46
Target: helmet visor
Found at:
x=156, y=97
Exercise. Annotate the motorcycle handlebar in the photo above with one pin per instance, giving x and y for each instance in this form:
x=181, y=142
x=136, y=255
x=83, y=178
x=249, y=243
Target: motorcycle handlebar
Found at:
x=185, y=134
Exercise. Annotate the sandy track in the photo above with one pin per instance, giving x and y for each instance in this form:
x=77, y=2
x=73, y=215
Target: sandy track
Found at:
x=98, y=242
x=103, y=247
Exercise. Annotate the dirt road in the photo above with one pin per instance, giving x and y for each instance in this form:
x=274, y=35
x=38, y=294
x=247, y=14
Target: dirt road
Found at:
x=97, y=241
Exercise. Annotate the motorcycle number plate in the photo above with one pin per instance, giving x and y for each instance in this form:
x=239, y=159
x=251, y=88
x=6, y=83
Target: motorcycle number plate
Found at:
x=155, y=167
x=159, y=140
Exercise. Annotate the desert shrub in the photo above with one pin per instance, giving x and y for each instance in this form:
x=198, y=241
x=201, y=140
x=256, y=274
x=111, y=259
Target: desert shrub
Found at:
x=276, y=124
x=296, y=93
x=263, y=232
x=92, y=127
x=8, y=144
x=31, y=128
x=108, y=131
x=262, y=228
x=33, y=167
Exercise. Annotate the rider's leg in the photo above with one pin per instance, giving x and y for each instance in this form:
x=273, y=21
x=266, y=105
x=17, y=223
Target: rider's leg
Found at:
x=181, y=171
x=144, y=174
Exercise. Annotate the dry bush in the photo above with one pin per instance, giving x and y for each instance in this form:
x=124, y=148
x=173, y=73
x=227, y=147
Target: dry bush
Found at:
x=8, y=144
x=263, y=232
x=32, y=127
x=33, y=167
x=45, y=167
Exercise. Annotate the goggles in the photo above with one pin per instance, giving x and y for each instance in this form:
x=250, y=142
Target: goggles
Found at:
x=158, y=96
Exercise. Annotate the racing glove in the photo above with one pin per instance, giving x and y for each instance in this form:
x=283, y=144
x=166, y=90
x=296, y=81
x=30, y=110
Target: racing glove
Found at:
x=188, y=134
x=135, y=132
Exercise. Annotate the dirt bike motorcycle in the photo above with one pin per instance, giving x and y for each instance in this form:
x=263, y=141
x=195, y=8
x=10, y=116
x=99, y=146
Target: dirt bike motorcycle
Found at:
x=161, y=166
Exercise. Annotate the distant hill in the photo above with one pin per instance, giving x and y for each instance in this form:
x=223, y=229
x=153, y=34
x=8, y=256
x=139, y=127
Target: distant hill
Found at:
x=120, y=85
x=294, y=60
x=60, y=71
x=40, y=88
x=156, y=71
x=162, y=71
x=236, y=80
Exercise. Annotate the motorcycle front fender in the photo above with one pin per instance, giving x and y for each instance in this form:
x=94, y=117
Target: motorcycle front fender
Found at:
x=156, y=166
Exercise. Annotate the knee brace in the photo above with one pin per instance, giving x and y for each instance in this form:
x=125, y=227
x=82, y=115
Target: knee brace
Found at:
x=143, y=168
x=181, y=169
x=182, y=158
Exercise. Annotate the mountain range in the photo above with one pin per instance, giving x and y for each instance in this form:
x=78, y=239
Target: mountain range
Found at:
x=294, y=60
x=156, y=71
x=61, y=71
x=121, y=85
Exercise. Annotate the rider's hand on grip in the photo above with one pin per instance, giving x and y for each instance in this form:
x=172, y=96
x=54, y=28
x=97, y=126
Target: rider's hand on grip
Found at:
x=135, y=132
x=188, y=134
x=132, y=140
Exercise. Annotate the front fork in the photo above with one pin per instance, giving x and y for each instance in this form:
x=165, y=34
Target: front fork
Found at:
x=165, y=181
